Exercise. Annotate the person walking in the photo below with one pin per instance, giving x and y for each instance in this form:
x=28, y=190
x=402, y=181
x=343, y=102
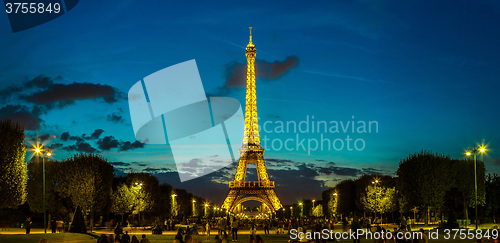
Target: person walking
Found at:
x=27, y=225
x=234, y=229
x=266, y=227
x=207, y=229
x=354, y=228
x=402, y=223
x=53, y=225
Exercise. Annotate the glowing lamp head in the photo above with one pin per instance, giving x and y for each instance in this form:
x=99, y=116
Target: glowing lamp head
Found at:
x=49, y=154
x=194, y=201
x=37, y=150
x=482, y=149
x=468, y=153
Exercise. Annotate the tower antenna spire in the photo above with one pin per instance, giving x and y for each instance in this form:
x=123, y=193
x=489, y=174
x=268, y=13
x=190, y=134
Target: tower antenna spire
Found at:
x=250, y=35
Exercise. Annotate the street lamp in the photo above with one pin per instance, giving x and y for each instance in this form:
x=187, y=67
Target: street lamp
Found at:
x=376, y=195
x=481, y=149
x=39, y=151
x=314, y=200
x=301, y=209
x=194, y=208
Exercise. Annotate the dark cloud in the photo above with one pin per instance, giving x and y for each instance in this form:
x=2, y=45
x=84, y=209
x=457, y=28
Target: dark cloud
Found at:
x=138, y=164
x=95, y=135
x=61, y=95
x=235, y=72
x=28, y=118
x=156, y=170
x=41, y=138
x=81, y=146
x=115, y=117
x=119, y=164
x=37, y=82
x=294, y=180
x=125, y=146
x=108, y=143
x=54, y=146
x=496, y=162
x=65, y=136
x=373, y=171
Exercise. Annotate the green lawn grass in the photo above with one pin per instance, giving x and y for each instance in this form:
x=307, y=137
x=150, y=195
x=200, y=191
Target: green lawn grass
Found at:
x=34, y=238
x=84, y=238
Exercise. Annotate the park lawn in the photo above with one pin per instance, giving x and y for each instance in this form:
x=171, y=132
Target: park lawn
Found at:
x=34, y=238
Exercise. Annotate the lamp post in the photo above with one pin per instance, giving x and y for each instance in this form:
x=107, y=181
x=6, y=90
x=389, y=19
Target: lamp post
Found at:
x=206, y=206
x=301, y=209
x=473, y=152
x=376, y=195
x=138, y=187
x=194, y=208
x=38, y=151
x=312, y=211
x=335, y=204
x=291, y=212
x=173, y=206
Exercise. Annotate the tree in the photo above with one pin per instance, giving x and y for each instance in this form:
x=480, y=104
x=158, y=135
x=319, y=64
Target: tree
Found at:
x=492, y=188
x=346, y=197
x=123, y=200
x=330, y=199
x=147, y=191
x=12, y=166
x=378, y=199
x=465, y=180
x=55, y=202
x=87, y=180
x=423, y=179
x=318, y=211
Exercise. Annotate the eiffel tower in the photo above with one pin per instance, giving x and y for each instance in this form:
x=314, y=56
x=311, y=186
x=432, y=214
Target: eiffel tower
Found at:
x=251, y=152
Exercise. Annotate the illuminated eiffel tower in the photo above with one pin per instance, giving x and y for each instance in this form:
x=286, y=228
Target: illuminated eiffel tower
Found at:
x=251, y=152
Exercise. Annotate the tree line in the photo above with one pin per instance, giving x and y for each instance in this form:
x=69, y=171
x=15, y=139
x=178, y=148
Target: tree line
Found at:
x=84, y=181
x=425, y=184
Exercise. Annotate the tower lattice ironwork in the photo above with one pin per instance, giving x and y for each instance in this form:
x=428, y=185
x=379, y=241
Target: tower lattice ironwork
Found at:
x=251, y=152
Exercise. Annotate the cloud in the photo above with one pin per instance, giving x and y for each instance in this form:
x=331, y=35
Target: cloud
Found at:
x=65, y=136
x=119, y=164
x=28, y=118
x=37, y=82
x=95, y=135
x=43, y=90
x=156, y=170
x=61, y=95
x=125, y=146
x=268, y=71
x=291, y=177
x=54, y=146
x=81, y=146
x=41, y=138
x=110, y=142
x=115, y=117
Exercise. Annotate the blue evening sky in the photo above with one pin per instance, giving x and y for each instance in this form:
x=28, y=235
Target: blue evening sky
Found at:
x=427, y=72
